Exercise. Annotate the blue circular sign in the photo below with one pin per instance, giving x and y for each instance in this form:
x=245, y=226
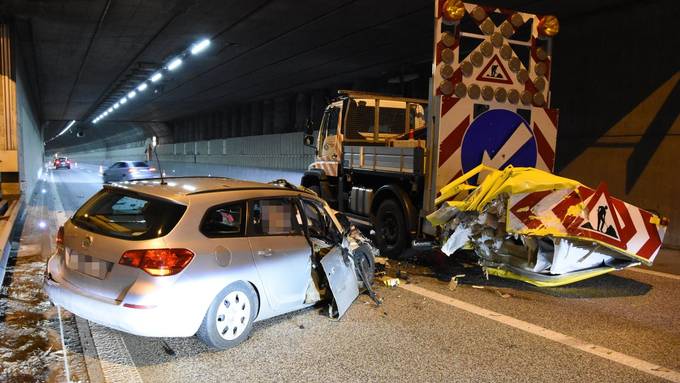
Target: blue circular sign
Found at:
x=498, y=137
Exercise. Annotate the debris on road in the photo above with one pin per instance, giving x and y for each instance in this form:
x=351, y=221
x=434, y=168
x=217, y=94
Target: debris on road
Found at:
x=389, y=281
x=536, y=227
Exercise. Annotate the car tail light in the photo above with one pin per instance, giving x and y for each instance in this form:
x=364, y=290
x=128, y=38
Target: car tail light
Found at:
x=158, y=262
x=60, y=240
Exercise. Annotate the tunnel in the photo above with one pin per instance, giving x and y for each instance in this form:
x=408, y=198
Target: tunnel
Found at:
x=218, y=94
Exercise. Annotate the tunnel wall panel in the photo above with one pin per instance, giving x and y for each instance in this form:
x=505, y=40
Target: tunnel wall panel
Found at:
x=31, y=148
x=274, y=151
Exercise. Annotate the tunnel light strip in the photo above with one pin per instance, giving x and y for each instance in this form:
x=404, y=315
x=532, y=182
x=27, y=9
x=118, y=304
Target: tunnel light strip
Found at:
x=68, y=126
x=173, y=64
x=200, y=46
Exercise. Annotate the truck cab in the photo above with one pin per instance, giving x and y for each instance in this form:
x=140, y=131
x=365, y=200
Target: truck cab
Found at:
x=370, y=150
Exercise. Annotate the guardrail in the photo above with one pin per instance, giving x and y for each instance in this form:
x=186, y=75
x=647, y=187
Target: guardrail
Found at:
x=10, y=212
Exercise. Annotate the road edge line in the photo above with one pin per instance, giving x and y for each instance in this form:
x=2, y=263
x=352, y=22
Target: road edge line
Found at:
x=111, y=342
x=655, y=273
x=576, y=343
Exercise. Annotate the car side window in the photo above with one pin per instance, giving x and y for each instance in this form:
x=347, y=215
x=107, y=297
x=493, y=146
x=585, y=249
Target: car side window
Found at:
x=275, y=216
x=224, y=221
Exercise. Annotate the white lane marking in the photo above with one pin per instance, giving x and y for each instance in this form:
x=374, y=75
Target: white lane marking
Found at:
x=653, y=272
x=114, y=356
x=67, y=371
x=603, y=352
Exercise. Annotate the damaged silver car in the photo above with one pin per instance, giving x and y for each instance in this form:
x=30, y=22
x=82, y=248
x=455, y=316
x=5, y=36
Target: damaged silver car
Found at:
x=205, y=256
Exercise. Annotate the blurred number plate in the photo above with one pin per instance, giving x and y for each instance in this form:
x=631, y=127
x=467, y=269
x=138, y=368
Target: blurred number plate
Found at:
x=87, y=264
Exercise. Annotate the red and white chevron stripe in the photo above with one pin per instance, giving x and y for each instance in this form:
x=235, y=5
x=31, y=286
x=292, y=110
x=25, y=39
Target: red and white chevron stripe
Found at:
x=573, y=213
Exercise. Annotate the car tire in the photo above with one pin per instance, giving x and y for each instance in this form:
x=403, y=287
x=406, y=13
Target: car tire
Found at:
x=229, y=319
x=364, y=259
x=390, y=229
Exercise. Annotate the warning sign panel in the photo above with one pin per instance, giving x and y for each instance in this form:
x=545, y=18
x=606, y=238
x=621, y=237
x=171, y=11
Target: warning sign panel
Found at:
x=494, y=72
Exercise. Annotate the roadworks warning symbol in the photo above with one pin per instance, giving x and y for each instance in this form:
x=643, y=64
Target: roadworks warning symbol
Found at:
x=494, y=71
x=602, y=217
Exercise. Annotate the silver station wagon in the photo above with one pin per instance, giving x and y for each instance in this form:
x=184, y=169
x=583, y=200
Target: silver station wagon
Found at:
x=205, y=256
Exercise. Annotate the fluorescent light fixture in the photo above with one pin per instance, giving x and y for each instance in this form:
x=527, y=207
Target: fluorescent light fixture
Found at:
x=116, y=106
x=156, y=76
x=142, y=86
x=176, y=62
x=200, y=46
x=108, y=111
x=123, y=100
x=132, y=94
x=68, y=126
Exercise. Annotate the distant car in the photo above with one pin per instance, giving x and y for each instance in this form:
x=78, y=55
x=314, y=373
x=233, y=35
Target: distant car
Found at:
x=205, y=257
x=128, y=171
x=62, y=162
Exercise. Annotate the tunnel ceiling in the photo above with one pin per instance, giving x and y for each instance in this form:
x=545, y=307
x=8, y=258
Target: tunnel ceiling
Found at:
x=86, y=54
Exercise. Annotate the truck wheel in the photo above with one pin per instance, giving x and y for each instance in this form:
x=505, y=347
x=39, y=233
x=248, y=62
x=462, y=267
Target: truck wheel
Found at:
x=390, y=229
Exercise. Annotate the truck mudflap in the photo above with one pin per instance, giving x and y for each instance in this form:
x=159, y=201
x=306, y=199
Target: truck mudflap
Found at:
x=533, y=226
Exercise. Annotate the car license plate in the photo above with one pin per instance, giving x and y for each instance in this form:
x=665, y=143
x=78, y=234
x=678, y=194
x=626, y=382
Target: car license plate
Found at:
x=87, y=264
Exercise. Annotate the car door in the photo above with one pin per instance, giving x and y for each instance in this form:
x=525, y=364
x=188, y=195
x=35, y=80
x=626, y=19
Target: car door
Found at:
x=281, y=251
x=112, y=173
x=336, y=264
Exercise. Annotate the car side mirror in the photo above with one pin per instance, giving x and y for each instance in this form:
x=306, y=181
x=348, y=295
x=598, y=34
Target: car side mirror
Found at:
x=309, y=127
x=309, y=141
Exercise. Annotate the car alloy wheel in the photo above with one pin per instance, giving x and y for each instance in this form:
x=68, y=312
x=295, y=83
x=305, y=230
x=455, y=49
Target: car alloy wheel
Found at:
x=229, y=319
x=233, y=315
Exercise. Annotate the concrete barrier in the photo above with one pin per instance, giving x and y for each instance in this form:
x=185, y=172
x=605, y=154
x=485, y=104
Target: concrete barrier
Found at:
x=273, y=151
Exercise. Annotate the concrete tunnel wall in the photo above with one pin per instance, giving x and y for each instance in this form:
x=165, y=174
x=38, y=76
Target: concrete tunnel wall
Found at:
x=30, y=140
x=274, y=151
x=616, y=83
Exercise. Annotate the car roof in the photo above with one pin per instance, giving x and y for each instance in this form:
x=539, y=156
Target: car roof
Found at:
x=180, y=189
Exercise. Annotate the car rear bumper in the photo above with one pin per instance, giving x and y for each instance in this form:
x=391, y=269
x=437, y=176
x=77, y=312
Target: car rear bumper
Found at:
x=166, y=320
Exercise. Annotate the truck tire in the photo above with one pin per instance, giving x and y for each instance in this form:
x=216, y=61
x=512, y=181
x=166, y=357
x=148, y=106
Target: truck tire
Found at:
x=390, y=229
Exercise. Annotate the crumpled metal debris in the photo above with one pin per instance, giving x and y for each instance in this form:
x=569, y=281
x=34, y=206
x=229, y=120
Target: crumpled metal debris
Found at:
x=530, y=225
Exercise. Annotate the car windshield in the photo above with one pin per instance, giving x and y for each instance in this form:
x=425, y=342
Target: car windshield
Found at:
x=140, y=164
x=127, y=215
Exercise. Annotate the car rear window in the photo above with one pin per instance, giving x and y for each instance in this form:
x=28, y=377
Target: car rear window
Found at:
x=127, y=215
x=139, y=164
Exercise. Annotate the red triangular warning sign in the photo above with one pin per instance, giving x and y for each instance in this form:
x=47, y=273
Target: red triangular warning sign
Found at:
x=494, y=71
x=602, y=220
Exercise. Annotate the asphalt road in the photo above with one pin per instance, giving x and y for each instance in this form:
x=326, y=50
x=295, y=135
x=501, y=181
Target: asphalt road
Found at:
x=635, y=316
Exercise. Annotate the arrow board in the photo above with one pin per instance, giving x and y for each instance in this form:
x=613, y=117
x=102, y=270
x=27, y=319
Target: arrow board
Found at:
x=498, y=138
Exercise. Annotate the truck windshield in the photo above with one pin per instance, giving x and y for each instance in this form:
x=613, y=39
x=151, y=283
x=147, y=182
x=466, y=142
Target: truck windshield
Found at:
x=329, y=126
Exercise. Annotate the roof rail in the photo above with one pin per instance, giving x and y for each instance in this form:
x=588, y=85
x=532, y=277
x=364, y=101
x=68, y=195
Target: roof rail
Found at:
x=362, y=94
